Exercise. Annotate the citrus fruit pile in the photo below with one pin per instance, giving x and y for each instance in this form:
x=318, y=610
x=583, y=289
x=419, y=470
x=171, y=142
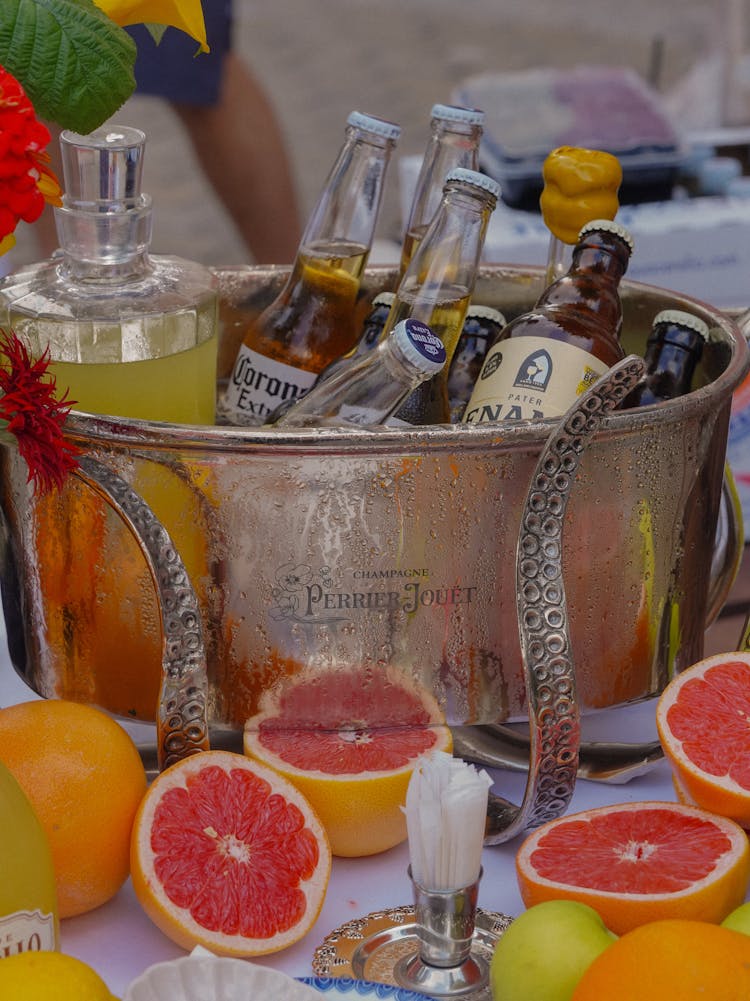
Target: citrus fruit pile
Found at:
x=638, y=862
x=84, y=778
x=702, y=720
x=229, y=855
x=349, y=741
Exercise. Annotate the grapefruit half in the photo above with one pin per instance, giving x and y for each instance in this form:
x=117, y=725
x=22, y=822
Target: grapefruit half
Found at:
x=638, y=862
x=703, y=720
x=349, y=740
x=229, y=855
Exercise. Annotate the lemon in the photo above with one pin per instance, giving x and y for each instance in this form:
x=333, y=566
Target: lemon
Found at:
x=50, y=976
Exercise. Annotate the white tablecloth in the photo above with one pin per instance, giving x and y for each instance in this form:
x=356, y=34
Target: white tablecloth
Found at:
x=119, y=941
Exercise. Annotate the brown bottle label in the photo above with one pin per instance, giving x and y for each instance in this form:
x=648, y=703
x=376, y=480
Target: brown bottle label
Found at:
x=525, y=378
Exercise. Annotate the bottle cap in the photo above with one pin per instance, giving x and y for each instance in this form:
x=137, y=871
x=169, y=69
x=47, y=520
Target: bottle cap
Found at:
x=454, y=113
x=607, y=226
x=378, y=126
x=486, y=313
x=105, y=166
x=682, y=319
x=383, y=299
x=474, y=177
x=420, y=346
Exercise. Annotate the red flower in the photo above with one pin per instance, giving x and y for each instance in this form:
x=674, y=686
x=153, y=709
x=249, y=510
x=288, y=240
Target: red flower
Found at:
x=26, y=182
x=34, y=415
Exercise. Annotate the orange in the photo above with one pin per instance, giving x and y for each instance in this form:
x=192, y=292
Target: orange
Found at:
x=85, y=779
x=685, y=960
x=229, y=855
x=349, y=740
x=638, y=862
x=702, y=719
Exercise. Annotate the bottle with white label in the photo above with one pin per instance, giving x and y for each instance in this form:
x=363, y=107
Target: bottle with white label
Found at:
x=368, y=391
x=312, y=320
x=548, y=356
x=28, y=899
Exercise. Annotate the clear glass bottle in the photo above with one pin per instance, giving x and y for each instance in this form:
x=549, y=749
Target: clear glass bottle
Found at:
x=546, y=357
x=312, y=320
x=439, y=282
x=455, y=135
x=673, y=350
x=28, y=898
x=128, y=333
x=482, y=324
x=369, y=390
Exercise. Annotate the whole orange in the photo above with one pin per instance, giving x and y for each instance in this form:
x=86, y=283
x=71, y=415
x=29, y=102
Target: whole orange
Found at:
x=685, y=960
x=85, y=779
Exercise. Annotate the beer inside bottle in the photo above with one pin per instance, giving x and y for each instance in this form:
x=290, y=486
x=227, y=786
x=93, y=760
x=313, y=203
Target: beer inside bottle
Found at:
x=674, y=348
x=548, y=356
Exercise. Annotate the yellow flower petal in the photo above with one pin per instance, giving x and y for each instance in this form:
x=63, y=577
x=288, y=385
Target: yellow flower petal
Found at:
x=187, y=15
x=7, y=243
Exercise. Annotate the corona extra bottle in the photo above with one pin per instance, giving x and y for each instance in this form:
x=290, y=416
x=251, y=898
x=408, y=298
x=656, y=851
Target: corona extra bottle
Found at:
x=311, y=321
x=548, y=356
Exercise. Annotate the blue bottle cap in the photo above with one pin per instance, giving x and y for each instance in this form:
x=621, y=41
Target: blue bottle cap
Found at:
x=378, y=126
x=420, y=346
x=475, y=178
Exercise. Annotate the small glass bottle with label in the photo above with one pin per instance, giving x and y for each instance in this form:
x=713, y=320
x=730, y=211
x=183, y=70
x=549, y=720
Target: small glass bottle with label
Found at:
x=312, y=320
x=28, y=897
x=673, y=350
x=548, y=356
x=482, y=324
x=368, y=391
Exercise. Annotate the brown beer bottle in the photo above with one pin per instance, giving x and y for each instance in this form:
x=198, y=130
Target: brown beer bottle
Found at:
x=673, y=350
x=482, y=325
x=312, y=320
x=548, y=356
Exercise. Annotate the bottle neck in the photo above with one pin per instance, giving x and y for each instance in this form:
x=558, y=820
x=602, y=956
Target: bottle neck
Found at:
x=671, y=358
x=347, y=209
x=105, y=245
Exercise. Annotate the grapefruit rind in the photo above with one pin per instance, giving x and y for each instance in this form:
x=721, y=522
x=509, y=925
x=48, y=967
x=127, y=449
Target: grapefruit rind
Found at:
x=718, y=792
x=361, y=810
x=709, y=898
x=176, y=921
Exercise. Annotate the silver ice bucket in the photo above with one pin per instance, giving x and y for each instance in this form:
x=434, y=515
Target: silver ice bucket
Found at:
x=377, y=547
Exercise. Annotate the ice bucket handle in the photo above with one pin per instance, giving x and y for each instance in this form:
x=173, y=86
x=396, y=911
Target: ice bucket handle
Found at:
x=546, y=650
x=181, y=721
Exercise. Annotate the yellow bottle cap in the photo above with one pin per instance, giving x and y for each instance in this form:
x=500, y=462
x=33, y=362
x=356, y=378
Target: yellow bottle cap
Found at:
x=579, y=185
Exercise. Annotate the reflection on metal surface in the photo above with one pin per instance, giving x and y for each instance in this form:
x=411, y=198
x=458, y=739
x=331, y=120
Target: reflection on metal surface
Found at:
x=182, y=726
x=546, y=648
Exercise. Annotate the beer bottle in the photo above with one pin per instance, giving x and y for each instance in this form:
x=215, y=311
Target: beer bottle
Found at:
x=311, y=321
x=439, y=282
x=371, y=388
x=455, y=134
x=673, y=350
x=548, y=356
x=482, y=325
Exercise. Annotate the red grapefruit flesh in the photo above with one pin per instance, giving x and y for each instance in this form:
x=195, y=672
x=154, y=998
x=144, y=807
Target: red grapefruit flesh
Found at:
x=703, y=719
x=638, y=862
x=349, y=741
x=229, y=855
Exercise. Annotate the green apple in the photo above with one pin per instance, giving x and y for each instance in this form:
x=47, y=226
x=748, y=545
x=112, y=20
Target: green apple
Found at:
x=544, y=952
x=738, y=919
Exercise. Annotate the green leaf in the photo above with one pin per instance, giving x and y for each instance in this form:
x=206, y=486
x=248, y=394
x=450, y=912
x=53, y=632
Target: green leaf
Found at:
x=74, y=62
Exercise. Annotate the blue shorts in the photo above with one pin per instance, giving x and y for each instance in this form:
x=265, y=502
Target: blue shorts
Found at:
x=172, y=69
